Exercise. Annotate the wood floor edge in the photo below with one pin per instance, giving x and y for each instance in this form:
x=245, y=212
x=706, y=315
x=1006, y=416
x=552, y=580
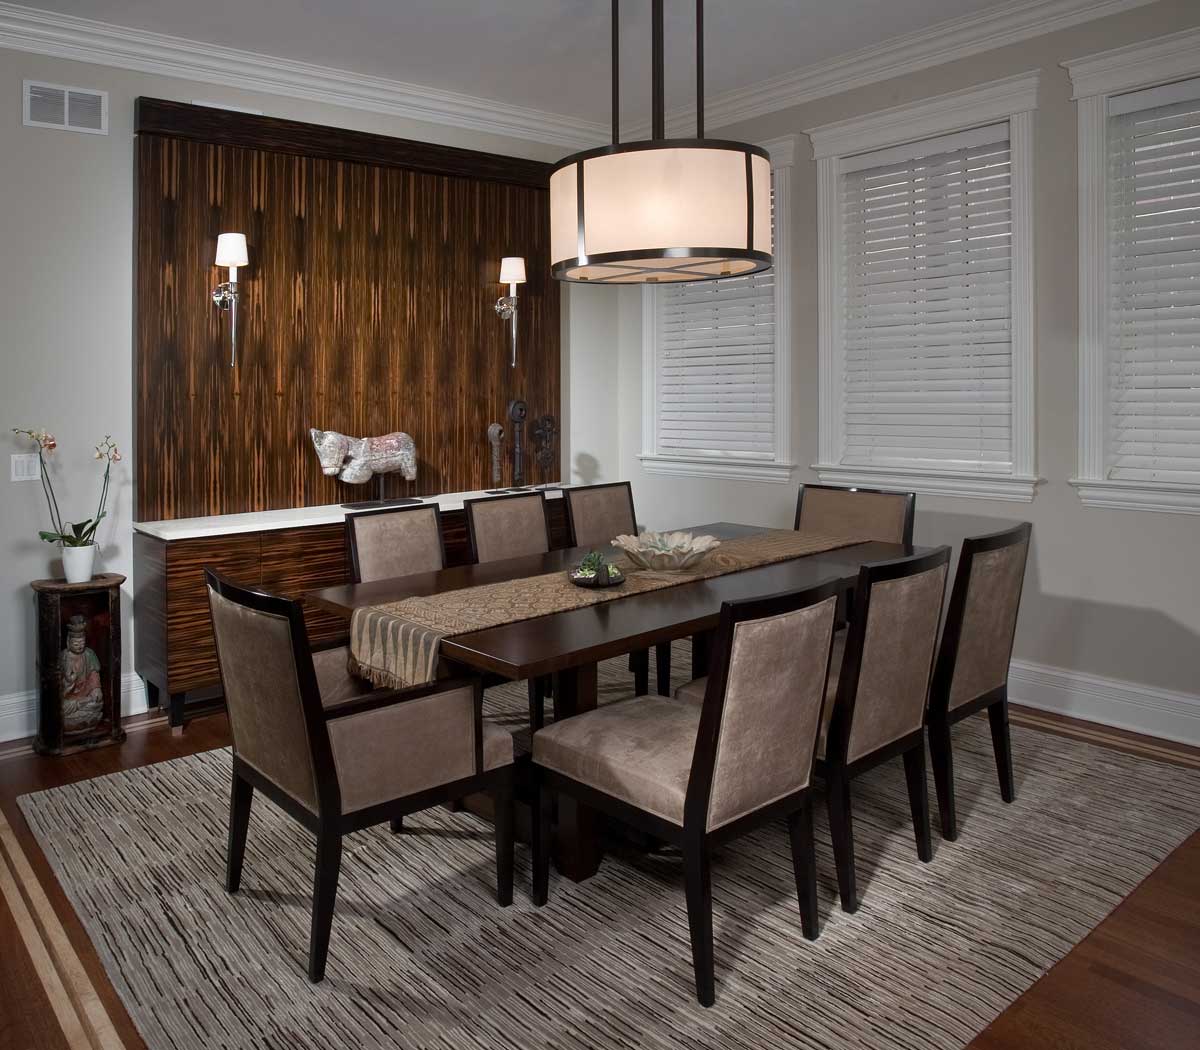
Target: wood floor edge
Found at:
x=78, y=1008
x=1107, y=736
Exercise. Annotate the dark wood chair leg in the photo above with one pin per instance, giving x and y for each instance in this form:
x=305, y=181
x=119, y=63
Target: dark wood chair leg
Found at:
x=943, y=777
x=841, y=827
x=537, y=703
x=240, y=798
x=325, y=884
x=1002, y=745
x=918, y=798
x=540, y=833
x=152, y=694
x=662, y=668
x=639, y=664
x=804, y=860
x=698, y=880
x=175, y=713
x=502, y=797
x=397, y=825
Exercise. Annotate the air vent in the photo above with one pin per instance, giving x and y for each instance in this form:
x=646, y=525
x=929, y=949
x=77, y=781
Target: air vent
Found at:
x=66, y=108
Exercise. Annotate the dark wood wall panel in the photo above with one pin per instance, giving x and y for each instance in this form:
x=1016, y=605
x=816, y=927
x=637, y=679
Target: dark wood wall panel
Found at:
x=367, y=307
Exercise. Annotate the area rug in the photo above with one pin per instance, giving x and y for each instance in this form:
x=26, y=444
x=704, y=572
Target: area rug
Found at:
x=421, y=956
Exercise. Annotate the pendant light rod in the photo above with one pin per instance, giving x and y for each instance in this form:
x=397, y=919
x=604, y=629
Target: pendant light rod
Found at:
x=699, y=69
x=616, y=72
x=658, y=103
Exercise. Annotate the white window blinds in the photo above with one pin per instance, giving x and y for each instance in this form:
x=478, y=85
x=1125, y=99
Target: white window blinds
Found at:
x=927, y=304
x=715, y=368
x=1154, y=274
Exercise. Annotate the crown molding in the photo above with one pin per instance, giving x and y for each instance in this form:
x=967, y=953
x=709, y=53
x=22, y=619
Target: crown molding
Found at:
x=1156, y=61
x=939, y=115
x=999, y=25
x=782, y=151
x=104, y=44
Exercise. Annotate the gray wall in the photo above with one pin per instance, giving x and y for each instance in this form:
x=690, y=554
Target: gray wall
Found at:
x=66, y=293
x=1113, y=593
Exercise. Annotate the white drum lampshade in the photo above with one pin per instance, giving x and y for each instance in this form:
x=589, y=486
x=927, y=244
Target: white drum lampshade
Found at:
x=660, y=211
x=231, y=250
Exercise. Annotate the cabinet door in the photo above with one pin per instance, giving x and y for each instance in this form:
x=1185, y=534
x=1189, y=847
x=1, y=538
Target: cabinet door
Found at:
x=299, y=560
x=191, y=656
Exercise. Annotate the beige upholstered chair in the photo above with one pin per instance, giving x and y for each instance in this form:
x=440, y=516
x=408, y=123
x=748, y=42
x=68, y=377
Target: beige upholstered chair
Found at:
x=972, y=666
x=700, y=775
x=335, y=757
x=595, y=515
x=395, y=541
x=510, y=526
x=871, y=514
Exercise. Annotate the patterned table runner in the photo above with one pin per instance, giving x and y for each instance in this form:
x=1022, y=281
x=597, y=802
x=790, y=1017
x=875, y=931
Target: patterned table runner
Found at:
x=396, y=645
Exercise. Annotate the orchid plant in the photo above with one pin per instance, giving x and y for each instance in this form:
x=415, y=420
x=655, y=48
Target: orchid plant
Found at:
x=79, y=533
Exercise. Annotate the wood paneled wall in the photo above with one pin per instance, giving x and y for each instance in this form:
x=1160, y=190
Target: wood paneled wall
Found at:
x=367, y=307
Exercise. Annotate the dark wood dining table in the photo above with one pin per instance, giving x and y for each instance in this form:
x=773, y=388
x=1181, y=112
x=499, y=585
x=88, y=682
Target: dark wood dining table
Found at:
x=570, y=645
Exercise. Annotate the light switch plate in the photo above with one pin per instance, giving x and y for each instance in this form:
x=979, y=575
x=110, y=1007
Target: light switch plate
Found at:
x=25, y=466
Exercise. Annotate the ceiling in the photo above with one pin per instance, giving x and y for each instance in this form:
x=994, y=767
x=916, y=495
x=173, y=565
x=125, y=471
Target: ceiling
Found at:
x=550, y=55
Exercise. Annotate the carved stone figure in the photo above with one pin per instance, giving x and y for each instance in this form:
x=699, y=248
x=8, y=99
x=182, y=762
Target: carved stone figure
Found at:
x=517, y=411
x=495, y=437
x=357, y=460
x=80, y=690
x=545, y=433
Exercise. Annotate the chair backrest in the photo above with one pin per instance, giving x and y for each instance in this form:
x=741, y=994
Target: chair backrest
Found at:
x=762, y=706
x=394, y=541
x=597, y=513
x=870, y=514
x=507, y=526
x=883, y=688
x=981, y=622
x=271, y=691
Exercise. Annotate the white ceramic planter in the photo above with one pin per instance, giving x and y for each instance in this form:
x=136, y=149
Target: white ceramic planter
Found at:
x=78, y=562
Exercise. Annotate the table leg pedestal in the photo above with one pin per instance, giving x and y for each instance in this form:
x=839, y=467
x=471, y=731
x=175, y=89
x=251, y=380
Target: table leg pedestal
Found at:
x=577, y=842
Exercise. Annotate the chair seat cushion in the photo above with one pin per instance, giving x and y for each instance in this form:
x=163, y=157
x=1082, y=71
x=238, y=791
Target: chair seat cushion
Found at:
x=693, y=691
x=638, y=750
x=334, y=680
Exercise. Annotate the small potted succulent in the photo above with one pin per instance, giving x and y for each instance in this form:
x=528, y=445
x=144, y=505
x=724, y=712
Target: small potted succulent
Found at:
x=596, y=571
x=77, y=540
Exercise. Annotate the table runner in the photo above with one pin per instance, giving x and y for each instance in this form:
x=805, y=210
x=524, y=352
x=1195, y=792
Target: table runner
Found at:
x=397, y=645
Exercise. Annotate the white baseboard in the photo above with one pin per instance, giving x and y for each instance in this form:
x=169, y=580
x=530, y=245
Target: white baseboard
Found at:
x=1144, y=709
x=18, y=711
x=1161, y=713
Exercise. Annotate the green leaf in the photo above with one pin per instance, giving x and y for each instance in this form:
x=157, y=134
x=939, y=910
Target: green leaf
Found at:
x=79, y=526
x=50, y=537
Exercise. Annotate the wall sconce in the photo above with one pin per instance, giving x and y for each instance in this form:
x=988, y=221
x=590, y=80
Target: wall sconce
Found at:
x=512, y=273
x=231, y=252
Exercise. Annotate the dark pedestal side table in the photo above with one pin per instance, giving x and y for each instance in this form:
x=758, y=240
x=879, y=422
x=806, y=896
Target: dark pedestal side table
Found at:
x=79, y=664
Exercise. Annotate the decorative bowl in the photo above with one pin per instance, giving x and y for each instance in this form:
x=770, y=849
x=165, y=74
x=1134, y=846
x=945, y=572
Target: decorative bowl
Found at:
x=666, y=551
x=596, y=571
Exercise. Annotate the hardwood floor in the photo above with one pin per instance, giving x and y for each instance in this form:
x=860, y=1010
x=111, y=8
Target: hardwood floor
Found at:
x=1132, y=984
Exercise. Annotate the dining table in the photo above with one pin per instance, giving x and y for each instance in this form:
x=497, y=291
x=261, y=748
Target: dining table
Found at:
x=570, y=645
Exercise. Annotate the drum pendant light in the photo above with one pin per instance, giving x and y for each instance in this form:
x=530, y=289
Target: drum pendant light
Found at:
x=661, y=210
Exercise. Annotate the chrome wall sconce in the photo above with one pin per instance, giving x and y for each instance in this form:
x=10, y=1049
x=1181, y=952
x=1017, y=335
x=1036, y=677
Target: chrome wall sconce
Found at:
x=231, y=252
x=512, y=273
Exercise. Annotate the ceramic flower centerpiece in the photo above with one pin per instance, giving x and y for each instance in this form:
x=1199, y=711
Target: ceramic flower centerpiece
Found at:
x=666, y=551
x=77, y=539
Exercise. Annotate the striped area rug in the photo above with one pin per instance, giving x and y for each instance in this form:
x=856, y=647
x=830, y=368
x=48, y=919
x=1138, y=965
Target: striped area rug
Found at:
x=422, y=957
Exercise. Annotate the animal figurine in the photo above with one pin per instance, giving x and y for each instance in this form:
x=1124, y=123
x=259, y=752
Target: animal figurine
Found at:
x=357, y=460
x=495, y=436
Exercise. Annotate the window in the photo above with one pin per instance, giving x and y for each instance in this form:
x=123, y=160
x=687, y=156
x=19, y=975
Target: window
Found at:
x=926, y=303
x=716, y=375
x=1139, y=276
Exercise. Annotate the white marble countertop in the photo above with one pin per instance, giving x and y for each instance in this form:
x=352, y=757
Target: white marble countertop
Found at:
x=267, y=520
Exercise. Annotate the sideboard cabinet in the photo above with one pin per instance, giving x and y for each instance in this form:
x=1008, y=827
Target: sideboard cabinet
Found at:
x=173, y=641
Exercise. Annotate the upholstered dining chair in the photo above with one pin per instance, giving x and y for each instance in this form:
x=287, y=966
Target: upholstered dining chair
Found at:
x=512, y=526
x=871, y=514
x=595, y=515
x=395, y=541
x=876, y=694
x=339, y=757
x=973, y=661
x=700, y=775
